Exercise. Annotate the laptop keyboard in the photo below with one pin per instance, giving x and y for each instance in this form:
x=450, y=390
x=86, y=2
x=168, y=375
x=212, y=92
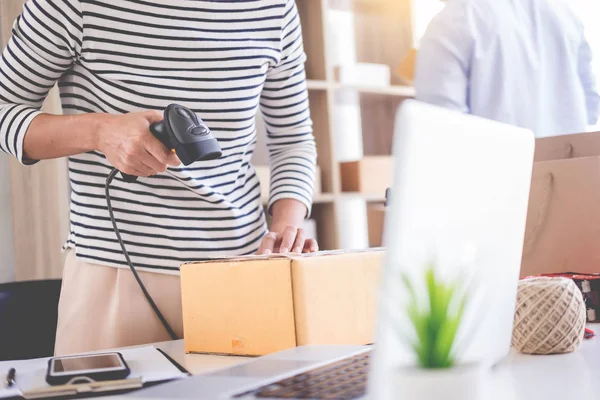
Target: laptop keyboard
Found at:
x=343, y=380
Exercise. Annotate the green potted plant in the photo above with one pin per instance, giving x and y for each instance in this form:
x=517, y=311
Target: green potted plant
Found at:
x=435, y=320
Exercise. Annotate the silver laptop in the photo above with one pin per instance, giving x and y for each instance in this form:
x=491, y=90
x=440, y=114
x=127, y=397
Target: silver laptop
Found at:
x=460, y=199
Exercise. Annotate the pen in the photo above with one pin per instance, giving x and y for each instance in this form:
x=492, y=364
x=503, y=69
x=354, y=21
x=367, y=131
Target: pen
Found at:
x=10, y=378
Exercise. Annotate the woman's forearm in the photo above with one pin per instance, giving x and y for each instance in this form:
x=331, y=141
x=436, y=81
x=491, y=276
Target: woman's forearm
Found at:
x=125, y=140
x=54, y=136
x=287, y=212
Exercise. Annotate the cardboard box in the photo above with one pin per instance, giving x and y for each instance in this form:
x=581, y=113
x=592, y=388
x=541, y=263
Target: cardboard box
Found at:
x=375, y=220
x=259, y=305
x=567, y=146
x=364, y=74
x=406, y=69
x=370, y=175
x=563, y=218
x=264, y=177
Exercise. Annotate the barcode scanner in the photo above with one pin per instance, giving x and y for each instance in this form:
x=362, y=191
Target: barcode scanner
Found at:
x=182, y=132
x=186, y=135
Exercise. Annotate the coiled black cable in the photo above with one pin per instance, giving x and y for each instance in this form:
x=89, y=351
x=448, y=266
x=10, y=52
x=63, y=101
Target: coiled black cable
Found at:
x=170, y=330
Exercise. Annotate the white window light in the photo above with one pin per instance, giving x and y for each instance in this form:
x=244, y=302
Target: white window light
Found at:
x=423, y=12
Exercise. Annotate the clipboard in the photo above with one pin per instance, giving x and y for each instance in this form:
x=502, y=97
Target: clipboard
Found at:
x=149, y=366
x=88, y=388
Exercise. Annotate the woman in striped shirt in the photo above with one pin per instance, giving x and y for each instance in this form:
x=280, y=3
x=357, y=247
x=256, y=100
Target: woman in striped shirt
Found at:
x=118, y=64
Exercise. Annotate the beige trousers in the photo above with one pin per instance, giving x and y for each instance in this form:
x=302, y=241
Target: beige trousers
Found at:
x=104, y=308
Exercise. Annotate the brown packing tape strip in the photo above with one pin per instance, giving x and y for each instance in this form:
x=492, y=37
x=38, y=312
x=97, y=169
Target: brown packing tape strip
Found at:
x=338, y=252
x=283, y=256
x=83, y=388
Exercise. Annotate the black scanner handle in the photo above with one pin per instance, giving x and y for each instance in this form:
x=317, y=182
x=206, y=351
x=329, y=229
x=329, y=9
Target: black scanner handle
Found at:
x=158, y=130
x=129, y=178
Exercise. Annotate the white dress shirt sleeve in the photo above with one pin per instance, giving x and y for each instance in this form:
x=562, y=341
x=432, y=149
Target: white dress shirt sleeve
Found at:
x=588, y=80
x=443, y=59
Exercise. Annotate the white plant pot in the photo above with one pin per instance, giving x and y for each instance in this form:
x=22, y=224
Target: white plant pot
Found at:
x=466, y=382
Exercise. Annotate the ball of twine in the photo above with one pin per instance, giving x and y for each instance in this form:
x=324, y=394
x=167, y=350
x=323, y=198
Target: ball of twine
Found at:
x=550, y=316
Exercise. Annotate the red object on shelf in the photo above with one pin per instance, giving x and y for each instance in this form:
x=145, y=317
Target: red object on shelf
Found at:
x=569, y=275
x=589, y=285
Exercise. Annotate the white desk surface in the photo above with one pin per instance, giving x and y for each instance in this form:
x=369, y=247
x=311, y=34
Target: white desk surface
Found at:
x=198, y=364
x=520, y=377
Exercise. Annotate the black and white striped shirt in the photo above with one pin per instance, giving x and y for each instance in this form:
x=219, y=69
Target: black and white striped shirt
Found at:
x=225, y=59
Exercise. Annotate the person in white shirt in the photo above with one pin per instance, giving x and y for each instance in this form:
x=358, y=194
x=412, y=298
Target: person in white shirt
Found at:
x=521, y=62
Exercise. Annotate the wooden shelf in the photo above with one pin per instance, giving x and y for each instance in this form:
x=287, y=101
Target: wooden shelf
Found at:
x=383, y=35
x=317, y=85
x=400, y=91
x=370, y=197
x=323, y=198
x=327, y=198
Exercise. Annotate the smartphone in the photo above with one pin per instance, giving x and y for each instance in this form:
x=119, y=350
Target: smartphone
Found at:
x=97, y=367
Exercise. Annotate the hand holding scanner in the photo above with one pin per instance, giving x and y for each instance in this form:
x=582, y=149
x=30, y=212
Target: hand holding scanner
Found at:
x=182, y=132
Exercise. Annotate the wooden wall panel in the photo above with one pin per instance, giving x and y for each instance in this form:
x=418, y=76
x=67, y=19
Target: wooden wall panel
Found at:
x=9, y=9
x=378, y=123
x=383, y=36
x=40, y=195
x=311, y=15
x=383, y=32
